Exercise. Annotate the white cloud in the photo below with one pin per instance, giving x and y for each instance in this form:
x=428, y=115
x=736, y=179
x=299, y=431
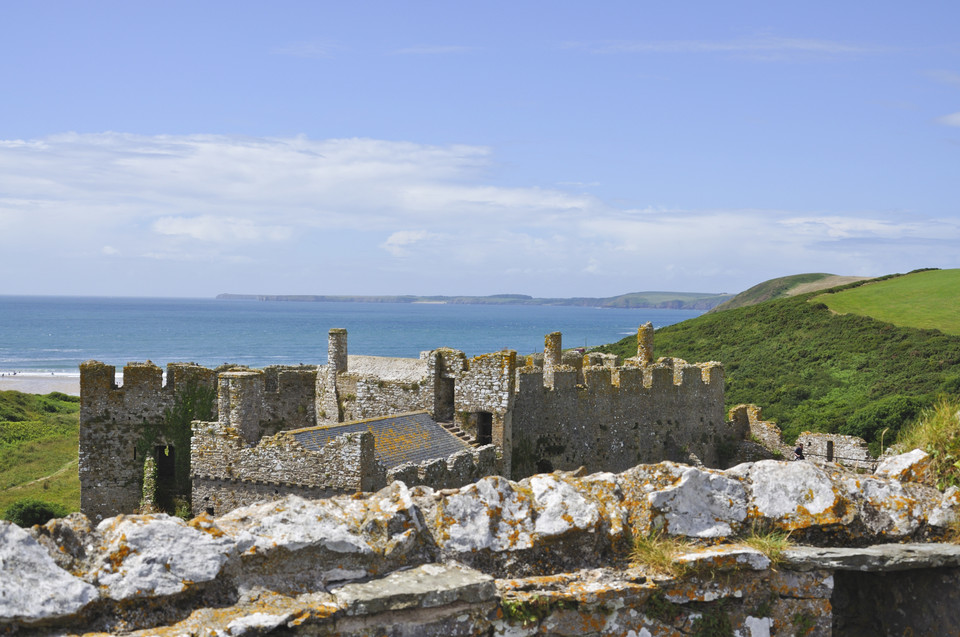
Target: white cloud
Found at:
x=386, y=216
x=953, y=119
x=399, y=243
x=220, y=229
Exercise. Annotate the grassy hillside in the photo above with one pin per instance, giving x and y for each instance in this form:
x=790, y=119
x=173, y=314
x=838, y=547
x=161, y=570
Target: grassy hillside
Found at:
x=928, y=299
x=811, y=369
x=783, y=287
x=38, y=448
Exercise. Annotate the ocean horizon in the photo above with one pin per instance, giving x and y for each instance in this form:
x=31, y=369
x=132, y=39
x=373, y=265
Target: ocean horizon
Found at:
x=52, y=335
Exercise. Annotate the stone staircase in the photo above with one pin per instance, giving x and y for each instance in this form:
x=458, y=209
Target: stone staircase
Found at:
x=458, y=432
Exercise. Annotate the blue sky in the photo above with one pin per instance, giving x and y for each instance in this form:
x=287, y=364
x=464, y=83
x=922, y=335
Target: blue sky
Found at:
x=545, y=148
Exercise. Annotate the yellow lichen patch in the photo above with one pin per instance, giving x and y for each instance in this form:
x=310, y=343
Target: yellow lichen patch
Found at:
x=116, y=558
x=204, y=522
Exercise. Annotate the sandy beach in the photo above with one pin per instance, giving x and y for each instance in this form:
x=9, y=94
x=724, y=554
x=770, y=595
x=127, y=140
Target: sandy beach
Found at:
x=40, y=384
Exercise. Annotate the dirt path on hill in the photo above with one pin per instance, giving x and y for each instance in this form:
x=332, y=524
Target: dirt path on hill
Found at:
x=823, y=284
x=62, y=469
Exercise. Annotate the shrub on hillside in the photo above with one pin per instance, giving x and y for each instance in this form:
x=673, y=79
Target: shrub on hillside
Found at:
x=887, y=414
x=29, y=511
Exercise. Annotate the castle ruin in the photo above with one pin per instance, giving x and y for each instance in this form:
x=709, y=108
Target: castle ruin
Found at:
x=359, y=422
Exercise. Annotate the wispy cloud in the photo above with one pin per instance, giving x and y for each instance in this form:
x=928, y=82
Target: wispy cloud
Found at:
x=953, y=119
x=766, y=47
x=220, y=229
x=433, y=50
x=316, y=49
x=944, y=77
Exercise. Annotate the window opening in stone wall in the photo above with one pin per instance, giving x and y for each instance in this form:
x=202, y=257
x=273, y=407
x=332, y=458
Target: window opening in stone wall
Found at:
x=444, y=404
x=166, y=490
x=829, y=451
x=484, y=428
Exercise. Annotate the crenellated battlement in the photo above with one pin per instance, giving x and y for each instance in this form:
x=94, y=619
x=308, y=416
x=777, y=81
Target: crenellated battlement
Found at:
x=666, y=373
x=593, y=410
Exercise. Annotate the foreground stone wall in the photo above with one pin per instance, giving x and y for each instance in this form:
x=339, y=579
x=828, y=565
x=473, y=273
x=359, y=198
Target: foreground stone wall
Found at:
x=550, y=554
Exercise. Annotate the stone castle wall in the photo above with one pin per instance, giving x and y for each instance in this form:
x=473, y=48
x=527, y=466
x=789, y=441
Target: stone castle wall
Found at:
x=618, y=416
x=765, y=435
x=113, y=422
x=370, y=397
x=228, y=473
x=849, y=451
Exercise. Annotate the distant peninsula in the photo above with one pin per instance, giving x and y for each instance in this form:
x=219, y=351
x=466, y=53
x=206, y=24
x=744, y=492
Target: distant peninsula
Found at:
x=658, y=300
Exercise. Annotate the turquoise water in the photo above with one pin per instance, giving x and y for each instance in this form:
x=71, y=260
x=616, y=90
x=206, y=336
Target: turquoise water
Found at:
x=56, y=334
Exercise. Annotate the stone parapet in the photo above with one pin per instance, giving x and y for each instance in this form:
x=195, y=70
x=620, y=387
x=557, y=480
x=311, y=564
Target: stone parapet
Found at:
x=458, y=470
x=551, y=554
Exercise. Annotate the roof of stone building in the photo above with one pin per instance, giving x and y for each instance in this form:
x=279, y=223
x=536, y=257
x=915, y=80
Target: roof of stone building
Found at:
x=414, y=437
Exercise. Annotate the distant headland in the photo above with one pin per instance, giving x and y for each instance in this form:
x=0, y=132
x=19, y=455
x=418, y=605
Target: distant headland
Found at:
x=657, y=300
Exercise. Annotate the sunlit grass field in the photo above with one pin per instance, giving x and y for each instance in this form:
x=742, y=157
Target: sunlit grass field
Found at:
x=925, y=300
x=38, y=449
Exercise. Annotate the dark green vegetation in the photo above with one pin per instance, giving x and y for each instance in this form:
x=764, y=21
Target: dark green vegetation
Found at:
x=928, y=299
x=662, y=300
x=38, y=449
x=29, y=511
x=813, y=370
x=783, y=287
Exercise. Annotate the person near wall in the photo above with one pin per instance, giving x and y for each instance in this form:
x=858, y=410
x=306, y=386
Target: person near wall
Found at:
x=798, y=452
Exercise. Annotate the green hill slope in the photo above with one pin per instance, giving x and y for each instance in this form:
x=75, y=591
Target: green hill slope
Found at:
x=813, y=370
x=785, y=286
x=38, y=448
x=928, y=299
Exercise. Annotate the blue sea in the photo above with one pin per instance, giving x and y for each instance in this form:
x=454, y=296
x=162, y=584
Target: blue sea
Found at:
x=44, y=335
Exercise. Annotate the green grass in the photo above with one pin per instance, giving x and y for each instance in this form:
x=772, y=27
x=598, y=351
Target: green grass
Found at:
x=658, y=552
x=927, y=300
x=38, y=448
x=771, y=542
x=811, y=369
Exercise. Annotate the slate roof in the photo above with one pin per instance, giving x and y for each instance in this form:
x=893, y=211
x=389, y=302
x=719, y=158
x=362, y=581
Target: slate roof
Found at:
x=398, y=439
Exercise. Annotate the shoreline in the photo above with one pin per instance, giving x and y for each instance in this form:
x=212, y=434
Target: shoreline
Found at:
x=38, y=383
